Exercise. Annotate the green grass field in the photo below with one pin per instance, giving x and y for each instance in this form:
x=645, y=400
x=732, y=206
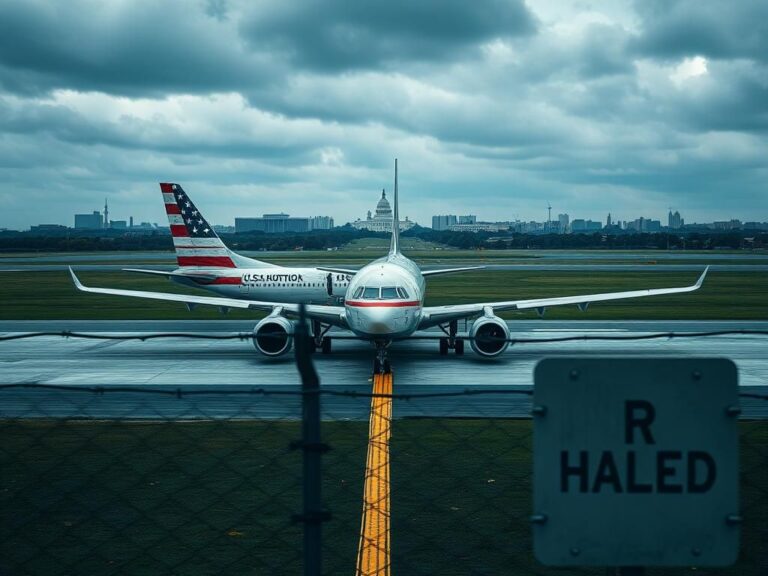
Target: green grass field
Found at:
x=210, y=498
x=724, y=296
x=362, y=251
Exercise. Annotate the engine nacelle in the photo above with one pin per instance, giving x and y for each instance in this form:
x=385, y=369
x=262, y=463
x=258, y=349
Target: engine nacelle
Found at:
x=273, y=336
x=488, y=336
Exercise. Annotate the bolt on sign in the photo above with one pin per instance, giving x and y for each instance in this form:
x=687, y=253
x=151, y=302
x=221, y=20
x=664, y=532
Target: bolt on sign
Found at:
x=635, y=462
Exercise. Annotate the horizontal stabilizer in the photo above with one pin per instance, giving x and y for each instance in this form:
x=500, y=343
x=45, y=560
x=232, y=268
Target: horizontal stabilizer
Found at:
x=200, y=276
x=347, y=271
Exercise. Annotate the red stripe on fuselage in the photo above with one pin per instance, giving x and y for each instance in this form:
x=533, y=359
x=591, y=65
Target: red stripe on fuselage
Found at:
x=222, y=261
x=179, y=230
x=172, y=209
x=382, y=303
x=227, y=280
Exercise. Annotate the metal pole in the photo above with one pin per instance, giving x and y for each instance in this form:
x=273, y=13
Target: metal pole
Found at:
x=313, y=515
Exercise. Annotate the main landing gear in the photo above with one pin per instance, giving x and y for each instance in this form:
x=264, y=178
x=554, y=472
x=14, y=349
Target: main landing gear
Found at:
x=319, y=338
x=451, y=341
x=381, y=364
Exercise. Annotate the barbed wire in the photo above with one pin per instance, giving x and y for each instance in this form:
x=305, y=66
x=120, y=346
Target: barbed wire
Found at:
x=181, y=392
x=249, y=336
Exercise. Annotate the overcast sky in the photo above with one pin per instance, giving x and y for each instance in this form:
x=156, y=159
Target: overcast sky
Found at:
x=494, y=107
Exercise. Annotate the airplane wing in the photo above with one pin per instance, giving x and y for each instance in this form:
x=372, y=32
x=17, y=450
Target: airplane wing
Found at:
x=333, y=315
x=434, y=315
x=427, y=273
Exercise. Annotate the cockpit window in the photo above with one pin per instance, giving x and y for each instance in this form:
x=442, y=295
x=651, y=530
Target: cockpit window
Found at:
x=358, y=292
x=389, y=293
x=403, y=294
x=371, y=294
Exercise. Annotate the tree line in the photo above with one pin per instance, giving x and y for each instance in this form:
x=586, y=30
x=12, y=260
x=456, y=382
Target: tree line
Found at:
x=111, y=240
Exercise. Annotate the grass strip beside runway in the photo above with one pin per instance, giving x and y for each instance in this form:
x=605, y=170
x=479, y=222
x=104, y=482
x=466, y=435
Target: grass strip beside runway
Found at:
x=205, y=498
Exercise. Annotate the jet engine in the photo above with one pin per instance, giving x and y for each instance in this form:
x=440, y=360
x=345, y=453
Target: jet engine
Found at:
x=273, y=336
x=488, y=336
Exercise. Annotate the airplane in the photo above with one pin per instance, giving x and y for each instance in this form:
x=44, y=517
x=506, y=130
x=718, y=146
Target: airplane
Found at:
x=384, y=302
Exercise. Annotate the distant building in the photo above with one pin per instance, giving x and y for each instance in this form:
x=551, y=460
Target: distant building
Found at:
x=756, y=225
x=272, y=224
x=320, y=223
x=443, y=222
x=608, y=221
x=563, y=221
x=382, y=220
x=90, y=221
x=674, y=221
x=727, y=225
x=579, y=225
x=118, y=224
x=144, y=226
x=477, y=227
x=468, y=219
x=644, y=225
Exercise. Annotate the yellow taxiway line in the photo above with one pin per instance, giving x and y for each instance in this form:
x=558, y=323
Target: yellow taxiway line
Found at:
x=373, y=554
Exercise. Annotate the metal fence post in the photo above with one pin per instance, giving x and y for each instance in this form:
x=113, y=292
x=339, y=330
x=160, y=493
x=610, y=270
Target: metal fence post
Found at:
x=313, y=515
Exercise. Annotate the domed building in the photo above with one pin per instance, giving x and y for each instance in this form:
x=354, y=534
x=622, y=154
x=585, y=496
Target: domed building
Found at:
x=382, y=220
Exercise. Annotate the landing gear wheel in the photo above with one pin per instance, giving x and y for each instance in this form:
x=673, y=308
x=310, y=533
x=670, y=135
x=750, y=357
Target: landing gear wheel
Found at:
x=443, y=346
x=326, y=345
x=386, y=367
x=376, y=366
x=459, y=347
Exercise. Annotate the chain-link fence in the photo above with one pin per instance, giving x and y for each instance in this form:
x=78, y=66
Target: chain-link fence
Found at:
x=158, y=480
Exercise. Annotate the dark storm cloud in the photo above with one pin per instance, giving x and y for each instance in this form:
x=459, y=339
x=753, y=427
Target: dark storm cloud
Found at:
x=305, y=103
x=132, y=48
x=604, y=52
x=712, y=28
x=737, y=101
x=129, y=133
x=339, y=35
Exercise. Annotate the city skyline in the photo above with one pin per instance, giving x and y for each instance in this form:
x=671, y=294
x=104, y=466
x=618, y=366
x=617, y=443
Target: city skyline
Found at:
x=559, y=222
x=622, y=107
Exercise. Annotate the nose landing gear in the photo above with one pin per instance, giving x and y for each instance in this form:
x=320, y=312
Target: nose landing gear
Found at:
x=381, y=364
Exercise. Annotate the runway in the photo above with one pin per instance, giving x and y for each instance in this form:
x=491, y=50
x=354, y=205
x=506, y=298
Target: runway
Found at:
x=234, y=365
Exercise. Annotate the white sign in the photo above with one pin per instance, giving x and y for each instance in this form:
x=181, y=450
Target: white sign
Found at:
x=635, y=462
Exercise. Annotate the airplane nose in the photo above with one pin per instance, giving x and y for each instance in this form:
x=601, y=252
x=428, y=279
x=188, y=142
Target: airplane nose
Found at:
x=377, y=321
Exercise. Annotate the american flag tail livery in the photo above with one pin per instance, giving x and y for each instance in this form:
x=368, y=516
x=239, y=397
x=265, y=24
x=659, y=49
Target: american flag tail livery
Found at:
x=196, y=243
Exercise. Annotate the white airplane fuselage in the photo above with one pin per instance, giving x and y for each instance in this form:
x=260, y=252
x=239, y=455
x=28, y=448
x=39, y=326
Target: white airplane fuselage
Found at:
x=273, y=284
x=385, y=298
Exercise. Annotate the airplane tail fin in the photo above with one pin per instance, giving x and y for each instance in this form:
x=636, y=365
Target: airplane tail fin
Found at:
x=394, y=247
x=194, y=239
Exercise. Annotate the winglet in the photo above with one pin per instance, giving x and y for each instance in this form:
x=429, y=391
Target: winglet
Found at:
x=75, y=279
x=700, y=281
x=395, y=246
